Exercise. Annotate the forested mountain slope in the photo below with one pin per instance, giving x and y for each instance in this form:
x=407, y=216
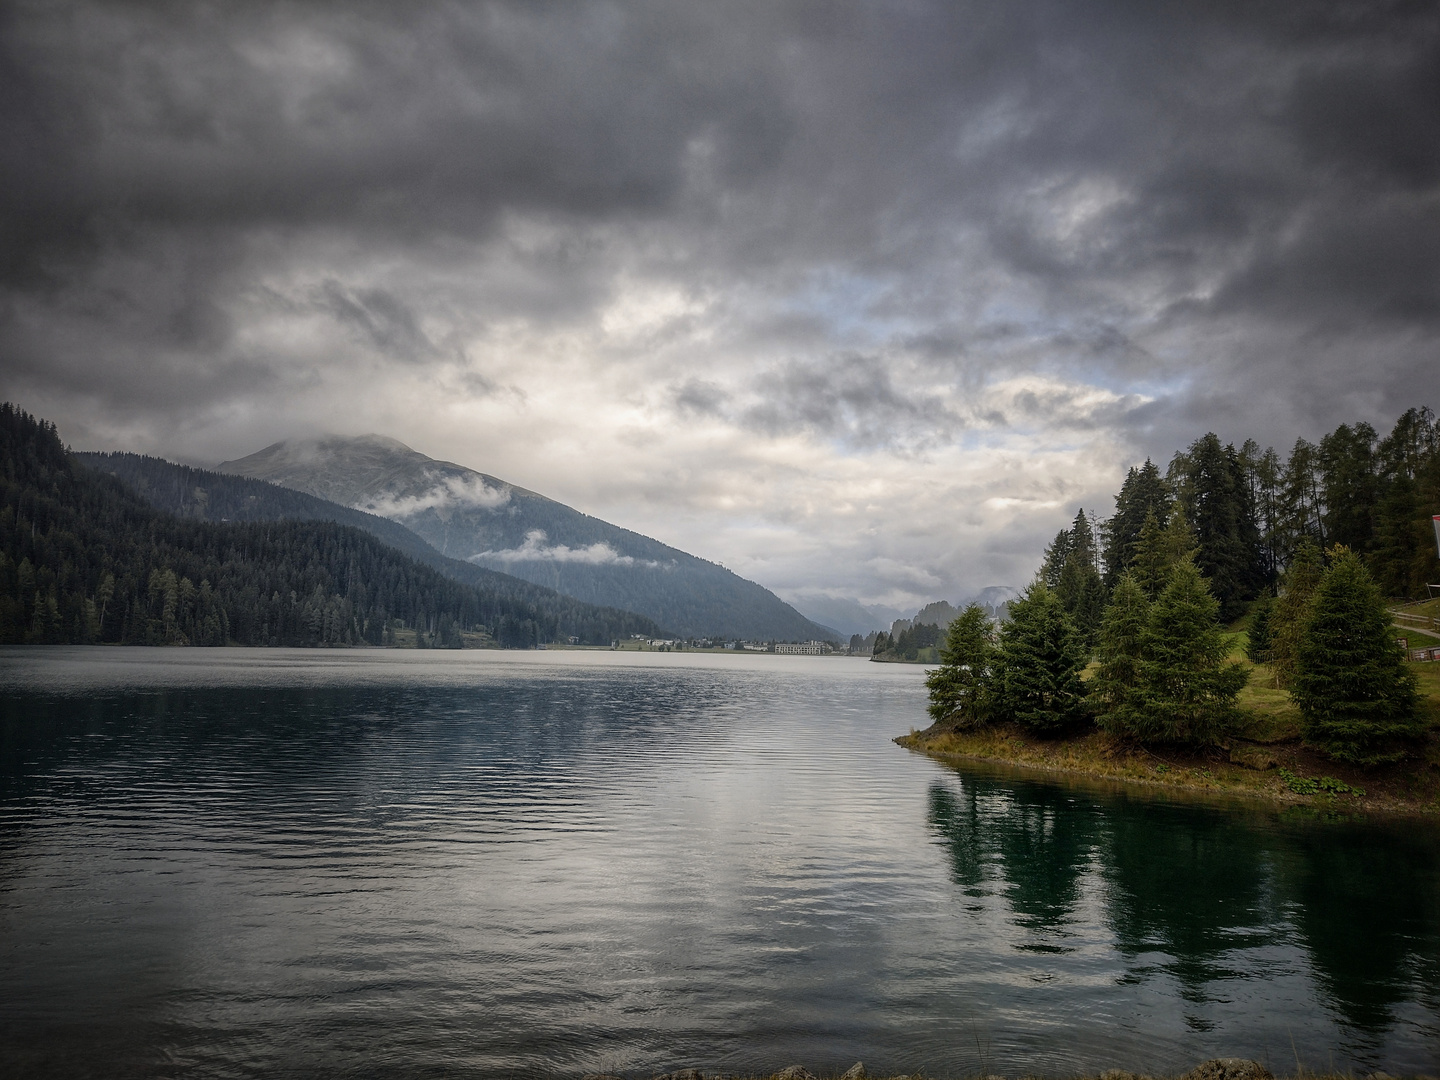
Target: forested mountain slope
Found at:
x=85, y=559
x=484, y=520
x=209, y=496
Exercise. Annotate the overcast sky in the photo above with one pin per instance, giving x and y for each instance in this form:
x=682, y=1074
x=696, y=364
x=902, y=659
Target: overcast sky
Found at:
x=856, y=298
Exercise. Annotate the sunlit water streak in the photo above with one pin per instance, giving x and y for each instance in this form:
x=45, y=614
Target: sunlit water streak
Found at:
x=273, y=862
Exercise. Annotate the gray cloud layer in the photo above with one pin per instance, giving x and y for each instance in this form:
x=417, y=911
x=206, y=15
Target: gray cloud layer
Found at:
x=676, y=240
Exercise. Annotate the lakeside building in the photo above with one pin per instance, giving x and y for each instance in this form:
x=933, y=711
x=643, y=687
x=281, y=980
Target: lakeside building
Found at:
x=804, y=648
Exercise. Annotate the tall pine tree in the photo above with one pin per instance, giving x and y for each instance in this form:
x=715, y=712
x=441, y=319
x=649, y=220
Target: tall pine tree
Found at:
x=1142, y=495
x=1351, y=487
x=1216, y=500
x=1080, y=587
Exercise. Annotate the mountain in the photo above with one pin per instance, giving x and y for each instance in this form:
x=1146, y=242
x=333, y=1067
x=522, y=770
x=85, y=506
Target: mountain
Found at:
x=486, y=521
x=84, y=559
x=995, y=599
x=201, y=495
x=846, y=614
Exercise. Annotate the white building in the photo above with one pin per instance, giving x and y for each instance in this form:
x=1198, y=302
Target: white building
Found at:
x=807, y=648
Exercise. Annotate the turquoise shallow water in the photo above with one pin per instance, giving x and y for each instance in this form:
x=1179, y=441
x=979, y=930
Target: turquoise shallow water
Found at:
x=237, y=863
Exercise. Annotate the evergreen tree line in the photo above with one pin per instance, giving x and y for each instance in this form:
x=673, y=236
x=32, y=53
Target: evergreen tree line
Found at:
x=84, y=559
x=1144, y=595
x=907, y=644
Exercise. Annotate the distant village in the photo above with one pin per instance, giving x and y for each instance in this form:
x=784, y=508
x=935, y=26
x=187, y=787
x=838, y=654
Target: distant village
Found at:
x=930, y=621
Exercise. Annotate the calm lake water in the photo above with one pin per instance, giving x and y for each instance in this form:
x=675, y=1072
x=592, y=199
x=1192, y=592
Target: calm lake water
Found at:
x=238, y=863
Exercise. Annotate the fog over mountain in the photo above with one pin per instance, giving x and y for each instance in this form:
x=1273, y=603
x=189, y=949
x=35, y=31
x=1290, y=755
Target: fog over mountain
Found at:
x=483, y=520
x=857, y=299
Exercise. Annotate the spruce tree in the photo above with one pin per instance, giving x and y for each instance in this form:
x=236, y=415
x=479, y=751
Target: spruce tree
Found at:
x=1160, y=550
x=1041, y=657
x=1357, y=697
x=1216, y=499
x=1292, y=609
x=1141, y=495
x=1257, y=637
x=1115, y=689
x=1151, y=564
x=1186, y=683
x=1080, y=587
x=1056, y=555
x=959, y=687
x=1350, y=485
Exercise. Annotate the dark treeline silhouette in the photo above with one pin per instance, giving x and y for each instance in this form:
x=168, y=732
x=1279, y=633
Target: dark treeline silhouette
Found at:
x=84, y=559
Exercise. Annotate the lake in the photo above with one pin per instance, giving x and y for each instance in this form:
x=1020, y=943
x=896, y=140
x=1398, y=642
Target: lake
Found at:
x=307, y=863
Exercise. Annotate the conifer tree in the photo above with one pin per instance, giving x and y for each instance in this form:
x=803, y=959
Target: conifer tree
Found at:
x=1056, y=556
x=1357, y=697
x=1187, y=686
x=1142, y=494
x=1178, y=540
x=1292, y=609
x=1300, y=515
x=959, y=687
x=1151, y=564
x=1350, y=485
x=1041, y=657
x=1160, y=550
x=1257, y=637
x=1080, y=587
x=1115, y=689
x=1217, y=502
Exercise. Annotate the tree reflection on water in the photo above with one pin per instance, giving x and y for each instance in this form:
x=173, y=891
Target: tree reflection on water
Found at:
x=1206, y=896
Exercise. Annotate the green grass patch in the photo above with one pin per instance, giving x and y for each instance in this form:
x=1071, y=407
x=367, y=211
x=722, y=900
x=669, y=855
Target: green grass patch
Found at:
x=1324, y=785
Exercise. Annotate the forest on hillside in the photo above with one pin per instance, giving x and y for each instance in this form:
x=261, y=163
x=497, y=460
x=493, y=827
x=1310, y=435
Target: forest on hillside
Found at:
x=84, y=559
x=204, y=495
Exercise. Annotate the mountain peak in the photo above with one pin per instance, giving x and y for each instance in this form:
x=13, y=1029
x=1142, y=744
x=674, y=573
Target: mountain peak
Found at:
x=469, y=515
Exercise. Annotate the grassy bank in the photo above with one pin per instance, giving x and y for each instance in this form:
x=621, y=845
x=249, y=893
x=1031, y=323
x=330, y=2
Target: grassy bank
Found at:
x=1265, y=759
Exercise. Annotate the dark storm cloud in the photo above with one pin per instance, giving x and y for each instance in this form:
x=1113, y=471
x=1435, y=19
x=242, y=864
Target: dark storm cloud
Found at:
x=379, y=316
x=1222, y=200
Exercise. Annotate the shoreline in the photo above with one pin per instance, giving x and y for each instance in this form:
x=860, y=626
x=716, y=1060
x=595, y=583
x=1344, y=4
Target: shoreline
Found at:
x=1282, y=774
x=1212, y=1069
